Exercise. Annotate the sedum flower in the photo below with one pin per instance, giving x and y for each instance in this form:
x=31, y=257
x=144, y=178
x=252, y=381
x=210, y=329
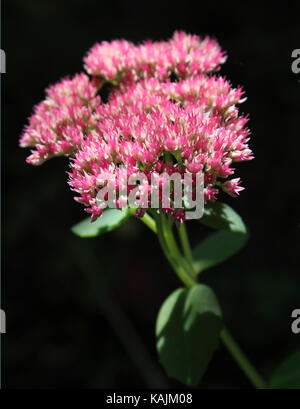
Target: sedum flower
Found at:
x=144, y=131
x=167, y=112
x=110, y=60
x=183, y=55
x=60, y=122
x=232, y=187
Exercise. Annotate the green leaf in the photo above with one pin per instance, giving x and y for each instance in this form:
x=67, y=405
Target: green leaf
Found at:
x=110, y=220
x=220, y=216
x=287, y=376
x=217, y=248
x=187, y=329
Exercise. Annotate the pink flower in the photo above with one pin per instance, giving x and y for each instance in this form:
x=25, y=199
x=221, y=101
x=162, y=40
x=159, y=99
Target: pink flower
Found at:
x=167, y=113
x=232, y=187
x=60, y=122
x=110, y=61
x=183, y=55
x=190, y=55
x=140, y=130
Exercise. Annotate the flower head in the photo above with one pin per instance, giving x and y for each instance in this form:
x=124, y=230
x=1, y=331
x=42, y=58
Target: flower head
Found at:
x=167, y=112
x=142, y=130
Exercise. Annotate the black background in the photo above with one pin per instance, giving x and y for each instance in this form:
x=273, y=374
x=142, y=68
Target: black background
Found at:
x=75, y=308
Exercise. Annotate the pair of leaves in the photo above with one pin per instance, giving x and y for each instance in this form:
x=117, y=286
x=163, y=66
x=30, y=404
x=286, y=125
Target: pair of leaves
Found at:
x=219, y=246
x=110, y=220
x=187, y=330
x=190, y=320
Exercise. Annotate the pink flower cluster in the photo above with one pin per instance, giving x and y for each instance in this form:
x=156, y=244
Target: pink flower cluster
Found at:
x=166, y=113
x=60, y=122
x=183, y=55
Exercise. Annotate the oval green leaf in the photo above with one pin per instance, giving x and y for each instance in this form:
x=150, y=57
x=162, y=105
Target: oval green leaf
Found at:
x=220, y=216
x=217, y=248
x=287, y=376
x=188, y=329
x=110, y=220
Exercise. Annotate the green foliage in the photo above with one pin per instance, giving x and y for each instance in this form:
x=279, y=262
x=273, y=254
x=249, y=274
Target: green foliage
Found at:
x=110, y=220
x=220, y=216
x=187, y=330
x=221, y=245
x=217, y=248
x=287, y=376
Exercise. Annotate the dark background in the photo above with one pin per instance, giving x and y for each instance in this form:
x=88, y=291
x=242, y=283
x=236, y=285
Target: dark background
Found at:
x=81, y=313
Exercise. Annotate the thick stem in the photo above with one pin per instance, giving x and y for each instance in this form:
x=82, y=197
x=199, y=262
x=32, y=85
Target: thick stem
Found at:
x=149, y=222
x=186, y=248
x=170, y=249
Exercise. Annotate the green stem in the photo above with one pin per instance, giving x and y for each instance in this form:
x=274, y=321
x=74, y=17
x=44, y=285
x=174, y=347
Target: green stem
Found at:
x=170, y=240
x=172, y=245
x=242, y=360
x=149, y=222
x=170, y=249
x=186, y=246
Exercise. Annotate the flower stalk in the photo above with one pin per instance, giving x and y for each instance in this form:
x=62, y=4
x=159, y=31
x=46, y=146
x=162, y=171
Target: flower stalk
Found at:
x=188, y=278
